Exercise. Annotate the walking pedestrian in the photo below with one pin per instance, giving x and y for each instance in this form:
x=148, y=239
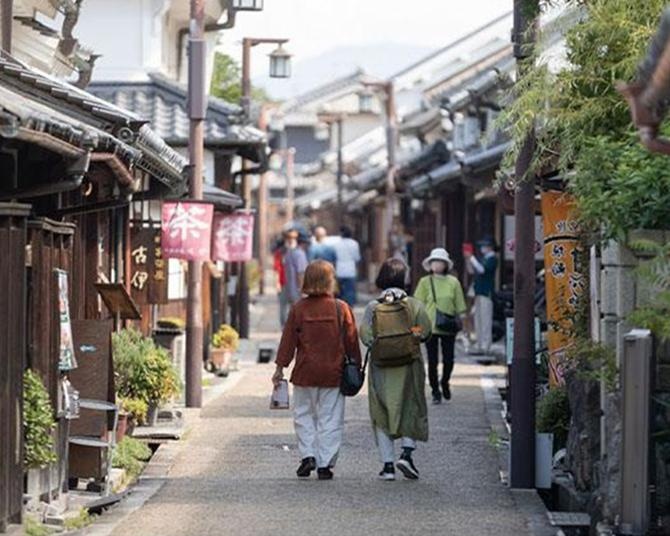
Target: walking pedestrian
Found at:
x=348, y=255
x=295, y=264
x=440, y=291
x=278, y=253
x=319, y=249
x=393, y=327
x=318, y=333
x=484, y=270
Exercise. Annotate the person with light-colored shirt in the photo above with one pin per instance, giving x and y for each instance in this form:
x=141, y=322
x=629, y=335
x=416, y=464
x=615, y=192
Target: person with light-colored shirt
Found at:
x=347, y=255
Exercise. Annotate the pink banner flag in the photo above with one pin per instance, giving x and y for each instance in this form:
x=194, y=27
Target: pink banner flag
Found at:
x=233, y=237
x=187, y=230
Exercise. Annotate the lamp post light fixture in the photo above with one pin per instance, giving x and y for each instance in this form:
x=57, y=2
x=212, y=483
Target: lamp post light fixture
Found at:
x=247, y=5
x=280, y=63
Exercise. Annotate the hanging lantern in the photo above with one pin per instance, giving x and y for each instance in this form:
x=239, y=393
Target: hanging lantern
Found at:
x=280, y=63
x=248, y=5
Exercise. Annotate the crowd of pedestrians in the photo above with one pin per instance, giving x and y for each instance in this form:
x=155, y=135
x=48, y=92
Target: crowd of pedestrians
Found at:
x=317, y=279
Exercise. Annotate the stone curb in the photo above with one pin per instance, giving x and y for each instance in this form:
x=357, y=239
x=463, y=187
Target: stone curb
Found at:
x=528, y=502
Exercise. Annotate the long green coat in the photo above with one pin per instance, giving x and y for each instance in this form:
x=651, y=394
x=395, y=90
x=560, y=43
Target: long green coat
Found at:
x=397, y=394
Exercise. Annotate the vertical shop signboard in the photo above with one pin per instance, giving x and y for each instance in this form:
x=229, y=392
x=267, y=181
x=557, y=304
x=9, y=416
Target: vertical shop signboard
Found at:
x=565, y=280
x=148, y=279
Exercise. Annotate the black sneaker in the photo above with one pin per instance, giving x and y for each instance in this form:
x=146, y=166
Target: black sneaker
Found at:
x=437, y=398
x=324, y=473
x=306, y=467
x=406, y=466
x=446, y=391
x=388, y=472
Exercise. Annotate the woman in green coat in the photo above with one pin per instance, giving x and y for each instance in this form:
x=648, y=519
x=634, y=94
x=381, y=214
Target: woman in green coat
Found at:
x=397, y=393
x=442, y=291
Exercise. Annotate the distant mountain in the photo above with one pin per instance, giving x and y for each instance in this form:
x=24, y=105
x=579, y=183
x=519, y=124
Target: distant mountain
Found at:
x=380, y=60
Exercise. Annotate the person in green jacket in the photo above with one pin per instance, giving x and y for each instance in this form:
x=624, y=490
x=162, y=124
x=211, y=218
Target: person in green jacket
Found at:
x=397, y=393
x=442, y=291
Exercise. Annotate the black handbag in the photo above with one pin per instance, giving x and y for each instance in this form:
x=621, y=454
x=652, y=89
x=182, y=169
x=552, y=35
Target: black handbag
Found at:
x=444, y=321
x=353, y=376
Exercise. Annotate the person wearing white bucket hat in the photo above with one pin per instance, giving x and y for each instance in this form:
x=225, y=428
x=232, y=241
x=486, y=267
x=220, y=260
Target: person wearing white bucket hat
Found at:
x=442, y=295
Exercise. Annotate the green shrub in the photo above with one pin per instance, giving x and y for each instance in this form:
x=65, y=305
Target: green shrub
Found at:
x=38, y=423
x=136, y=409
x=226, y=337
x=130, y=454
x=144, y=371
x=553, y=415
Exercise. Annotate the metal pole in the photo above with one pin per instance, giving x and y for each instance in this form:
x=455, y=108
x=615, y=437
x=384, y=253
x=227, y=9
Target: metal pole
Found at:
x=242, y=295
x=247, y=43
x=391, y=141
x=197, y=108
x=263, y=248
x=7, y=17
x=340, y=170
x=522, y=465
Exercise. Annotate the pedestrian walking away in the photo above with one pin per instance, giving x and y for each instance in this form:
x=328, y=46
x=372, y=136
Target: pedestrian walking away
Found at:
x=348, y=255
x=295, y=264
x=280, y=274
x=319, y=332
x=393, y=327
x=442, y=294
x=320, y=249
x=484, y=270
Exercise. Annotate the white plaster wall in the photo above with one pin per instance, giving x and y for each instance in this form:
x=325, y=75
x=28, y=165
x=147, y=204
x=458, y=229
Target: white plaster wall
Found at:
x=116, y=30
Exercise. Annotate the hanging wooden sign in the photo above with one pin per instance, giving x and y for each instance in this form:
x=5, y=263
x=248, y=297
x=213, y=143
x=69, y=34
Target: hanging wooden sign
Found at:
x=148, y=267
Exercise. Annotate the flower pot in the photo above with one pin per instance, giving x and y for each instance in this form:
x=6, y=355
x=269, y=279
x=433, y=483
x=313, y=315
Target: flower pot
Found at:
x=122, y=426
x=220, y=360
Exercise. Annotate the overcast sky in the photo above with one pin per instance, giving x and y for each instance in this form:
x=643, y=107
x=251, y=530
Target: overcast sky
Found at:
x=318, y=26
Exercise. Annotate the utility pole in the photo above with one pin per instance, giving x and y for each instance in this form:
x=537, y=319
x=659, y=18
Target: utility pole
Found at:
x=7, y=14
x=290, y=186
x=391, y=141
x=340, y=171
x=197, y=106
x=522, y=468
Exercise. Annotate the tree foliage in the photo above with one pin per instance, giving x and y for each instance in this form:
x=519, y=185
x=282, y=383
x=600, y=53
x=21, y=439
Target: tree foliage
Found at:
x=583, y=124
x=227, y=81
x=38, y=423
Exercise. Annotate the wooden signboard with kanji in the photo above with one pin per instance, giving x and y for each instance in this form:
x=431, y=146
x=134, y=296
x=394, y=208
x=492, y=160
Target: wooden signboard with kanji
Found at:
x=148, y=276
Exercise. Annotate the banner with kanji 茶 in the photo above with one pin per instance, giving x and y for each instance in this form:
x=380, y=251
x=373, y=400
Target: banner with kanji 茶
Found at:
x=565, y=282
x=233, y=237
x=186, y=230
x=148, y=267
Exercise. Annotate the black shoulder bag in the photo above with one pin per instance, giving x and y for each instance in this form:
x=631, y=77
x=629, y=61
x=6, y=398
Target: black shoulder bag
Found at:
x=444, y=321
x=353, y=376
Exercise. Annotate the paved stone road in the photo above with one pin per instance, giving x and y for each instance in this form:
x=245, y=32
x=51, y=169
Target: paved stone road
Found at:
x=236, y=474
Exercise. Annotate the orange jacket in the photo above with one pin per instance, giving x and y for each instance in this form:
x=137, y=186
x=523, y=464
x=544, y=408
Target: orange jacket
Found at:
x=314, y=338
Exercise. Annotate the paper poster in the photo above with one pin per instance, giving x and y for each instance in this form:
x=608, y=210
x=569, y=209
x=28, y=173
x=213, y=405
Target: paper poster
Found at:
x=67, y=360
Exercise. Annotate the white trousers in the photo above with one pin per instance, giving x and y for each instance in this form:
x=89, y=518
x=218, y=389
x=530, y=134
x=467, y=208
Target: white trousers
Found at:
x=386, y=446
x=319, y=422
x=484, y=322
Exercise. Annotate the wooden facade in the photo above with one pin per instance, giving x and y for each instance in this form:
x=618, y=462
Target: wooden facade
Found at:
x=13, y=231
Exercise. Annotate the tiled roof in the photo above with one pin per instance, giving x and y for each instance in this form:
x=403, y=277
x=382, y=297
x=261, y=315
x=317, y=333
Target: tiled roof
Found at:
x=47, y=105
x=163, y=103
x=330, y=88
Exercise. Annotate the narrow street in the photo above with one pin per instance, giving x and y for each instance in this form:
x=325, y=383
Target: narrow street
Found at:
x=235, y=473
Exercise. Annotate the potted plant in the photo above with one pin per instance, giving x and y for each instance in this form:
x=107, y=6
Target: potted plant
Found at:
x=132, y=412
x=225, y=343
x=145, y=373
x=38, y=427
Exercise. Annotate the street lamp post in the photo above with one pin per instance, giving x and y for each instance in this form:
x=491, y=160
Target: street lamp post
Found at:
x=388, y=90
x=280, y=67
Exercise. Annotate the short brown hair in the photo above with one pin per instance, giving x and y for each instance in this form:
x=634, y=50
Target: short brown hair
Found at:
x=319, y=279
x=391, y=275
